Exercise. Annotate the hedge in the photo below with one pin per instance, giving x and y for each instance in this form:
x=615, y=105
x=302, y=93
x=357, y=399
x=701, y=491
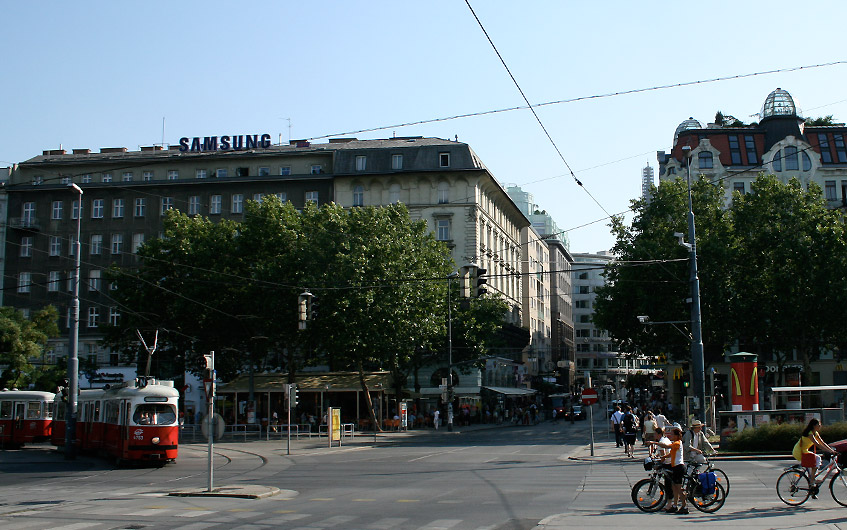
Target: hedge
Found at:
x=779, y=438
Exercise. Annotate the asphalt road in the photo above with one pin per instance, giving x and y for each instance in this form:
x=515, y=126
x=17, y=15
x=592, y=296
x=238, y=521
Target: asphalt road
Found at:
x=496, y=479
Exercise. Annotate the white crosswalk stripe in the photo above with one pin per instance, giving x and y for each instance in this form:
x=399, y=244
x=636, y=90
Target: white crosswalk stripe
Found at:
x=441, y=524
x=388, y=523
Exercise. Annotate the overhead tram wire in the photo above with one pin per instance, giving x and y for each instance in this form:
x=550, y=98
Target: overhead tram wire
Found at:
x=584, y=98
x=537, y=118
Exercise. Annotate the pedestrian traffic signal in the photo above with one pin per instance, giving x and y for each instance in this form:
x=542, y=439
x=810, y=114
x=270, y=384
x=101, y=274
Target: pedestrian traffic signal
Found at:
x=303, y=312
x=293, y=396
x=478, y=282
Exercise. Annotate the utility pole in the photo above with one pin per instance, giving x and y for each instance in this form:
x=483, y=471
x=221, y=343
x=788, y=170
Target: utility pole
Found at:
x=450, y=276
x=73, y=357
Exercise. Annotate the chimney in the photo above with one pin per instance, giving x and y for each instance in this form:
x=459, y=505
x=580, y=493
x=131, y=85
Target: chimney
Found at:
x=113, y=149
x=82, y=151
x=53, y=152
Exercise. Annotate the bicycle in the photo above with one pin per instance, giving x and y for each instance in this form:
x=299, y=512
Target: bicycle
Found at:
x=721, y=477
x=794, y=485
x=651, y=494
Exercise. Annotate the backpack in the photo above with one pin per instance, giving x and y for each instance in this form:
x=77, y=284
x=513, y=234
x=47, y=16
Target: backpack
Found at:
x=630, y=423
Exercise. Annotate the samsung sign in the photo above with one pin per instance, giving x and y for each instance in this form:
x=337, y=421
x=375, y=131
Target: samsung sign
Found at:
x=224, y=143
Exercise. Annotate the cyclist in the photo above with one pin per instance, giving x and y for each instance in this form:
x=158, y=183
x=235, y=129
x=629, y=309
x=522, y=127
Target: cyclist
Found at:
x=677, y=465
x=809, y=439
x=695, y=443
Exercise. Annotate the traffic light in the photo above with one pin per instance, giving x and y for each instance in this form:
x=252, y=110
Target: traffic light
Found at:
x=208, y=366
x=464, y=281
x=313, y=308
x=293, y=396
x=64, y=390
x=478, y=282
x=303, y=302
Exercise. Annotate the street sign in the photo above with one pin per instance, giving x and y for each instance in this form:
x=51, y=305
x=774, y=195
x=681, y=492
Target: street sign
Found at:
x=589, y=396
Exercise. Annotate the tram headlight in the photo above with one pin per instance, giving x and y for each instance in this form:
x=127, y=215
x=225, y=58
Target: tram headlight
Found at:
x=155, y=440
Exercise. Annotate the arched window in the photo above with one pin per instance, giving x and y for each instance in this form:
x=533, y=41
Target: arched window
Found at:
x=394, y=193
x=443, y=193
x=705, y=159
x=358, y=195
x=807, y=162
x=777, y=161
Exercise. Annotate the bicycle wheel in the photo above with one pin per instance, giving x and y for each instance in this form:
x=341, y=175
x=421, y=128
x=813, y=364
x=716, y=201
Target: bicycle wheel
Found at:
x=793, y=487
x=723, y=480
x=649, y=495
x=838, y=488
x=707, y=503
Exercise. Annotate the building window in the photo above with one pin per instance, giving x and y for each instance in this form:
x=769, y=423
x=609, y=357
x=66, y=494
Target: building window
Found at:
x=194, y=205
x=442, y=229
x=200, y=173
x=443, y=193
x=312, y=196
x=750, y=147
x=584, y=289
x=791, y=160
x=96, y=247
x=285, y=170
x=361, y=162
x=58, y=210
x=282, y=196
x=93, y=317
x=107, y=177
x=584, y=319
x=114, y=317
x=71, y=245
x=705, y=159
x=807, y=162
x=140, y=206
x=826, y=154
x=396, y=161
x=55, y=246
x=734, y=150
x=237, y=203
x=221, y=173
x=358, y=195
x=117, y=208
x=86, y=179
x=127, y=176
x=26, y=247
x=167, y=204
x=257, y=197
x=738, y=187
x=317, y=169
x=28, y=214
x=443, y=159
x=97, y=207
x=264, y=171
x=53, y=281
x=215, y=205
x=137, y=241
x=242, y=172
x=24, y=282
x=117, y=243
x=147, y=176
x=829, y=190
x=94, y=280
x=777, y=161
x=173, y=174
x=66, y=181
x=840, y=150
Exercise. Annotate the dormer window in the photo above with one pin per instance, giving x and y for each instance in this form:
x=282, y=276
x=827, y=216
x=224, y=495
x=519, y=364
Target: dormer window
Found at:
x=443, y=159
x=705, y=159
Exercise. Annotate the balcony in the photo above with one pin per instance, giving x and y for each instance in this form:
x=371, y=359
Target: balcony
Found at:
x=24, y=223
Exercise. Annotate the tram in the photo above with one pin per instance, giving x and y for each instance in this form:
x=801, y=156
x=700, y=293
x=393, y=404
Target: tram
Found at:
x=135, y=421
x=25, y=417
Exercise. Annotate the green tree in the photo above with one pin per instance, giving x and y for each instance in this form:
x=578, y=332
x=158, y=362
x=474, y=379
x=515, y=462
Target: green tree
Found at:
x=22, y=341
x=652, y=273
x=788, y=271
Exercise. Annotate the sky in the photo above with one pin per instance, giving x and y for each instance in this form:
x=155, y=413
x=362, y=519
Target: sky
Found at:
x=116, y=74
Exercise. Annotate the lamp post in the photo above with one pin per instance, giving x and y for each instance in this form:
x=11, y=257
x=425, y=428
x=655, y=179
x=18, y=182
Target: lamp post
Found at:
x=73, y=357
x=697, y=362
x=450, y=277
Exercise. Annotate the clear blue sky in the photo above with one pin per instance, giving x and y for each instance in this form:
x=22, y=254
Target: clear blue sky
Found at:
x=104, y=74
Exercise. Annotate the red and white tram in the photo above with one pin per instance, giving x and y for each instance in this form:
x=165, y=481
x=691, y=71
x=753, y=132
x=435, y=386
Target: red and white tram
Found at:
x=26, y=416
x=132, y=422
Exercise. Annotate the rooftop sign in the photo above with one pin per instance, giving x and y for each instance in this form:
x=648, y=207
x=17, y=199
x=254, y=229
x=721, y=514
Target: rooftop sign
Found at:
x=224, y=143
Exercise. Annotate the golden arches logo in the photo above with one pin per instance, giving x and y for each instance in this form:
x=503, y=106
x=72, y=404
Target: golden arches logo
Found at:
x=678, y=373
x=734, y=375
x=753, y=381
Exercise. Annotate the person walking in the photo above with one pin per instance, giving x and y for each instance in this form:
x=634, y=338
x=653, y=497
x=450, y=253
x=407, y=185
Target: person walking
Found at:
x=648, y=428
x=629, y=426
x=436, y=418
x=616, y=418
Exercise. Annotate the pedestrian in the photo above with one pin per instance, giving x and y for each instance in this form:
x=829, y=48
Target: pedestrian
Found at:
x=274, y=421
x=695, y=443
x=616, y=418
x=648, y=428
x=436, y=418
x=629, y=426
x=661, y=420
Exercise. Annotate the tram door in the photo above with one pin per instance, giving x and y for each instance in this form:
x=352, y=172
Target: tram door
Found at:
x=123, y=443
x=18, y=424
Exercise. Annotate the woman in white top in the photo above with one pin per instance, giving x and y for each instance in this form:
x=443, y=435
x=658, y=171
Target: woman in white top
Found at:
x=649, y=427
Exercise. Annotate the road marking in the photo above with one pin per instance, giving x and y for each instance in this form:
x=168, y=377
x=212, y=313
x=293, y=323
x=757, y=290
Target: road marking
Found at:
x=408, y=500
x=442, y=524
x=387, y=523
x=75, y=526
x=322, y=499
x=440, y=453
x=333, y=521
x=195, y=513
x=364, y=500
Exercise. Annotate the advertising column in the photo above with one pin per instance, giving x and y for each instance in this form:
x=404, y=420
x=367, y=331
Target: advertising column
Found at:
x=744, y=381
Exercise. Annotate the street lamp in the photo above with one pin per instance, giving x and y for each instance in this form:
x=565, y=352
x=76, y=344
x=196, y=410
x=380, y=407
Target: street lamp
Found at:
x=697, y=362
x=450, y=277
x=73, y=357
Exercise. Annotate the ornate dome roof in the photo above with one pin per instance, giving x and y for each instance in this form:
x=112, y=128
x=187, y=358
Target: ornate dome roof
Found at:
x=688, y=124
x=778, y=103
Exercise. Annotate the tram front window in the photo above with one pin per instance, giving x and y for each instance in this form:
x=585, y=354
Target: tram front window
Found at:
x=154, y=415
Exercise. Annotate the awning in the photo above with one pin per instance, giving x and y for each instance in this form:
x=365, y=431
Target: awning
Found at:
x=510, y=391
x=457, y=391
x=310, y=382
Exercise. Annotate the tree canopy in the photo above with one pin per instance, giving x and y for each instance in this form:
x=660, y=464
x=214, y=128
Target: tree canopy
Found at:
x=23, y=340
x=772, y=272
